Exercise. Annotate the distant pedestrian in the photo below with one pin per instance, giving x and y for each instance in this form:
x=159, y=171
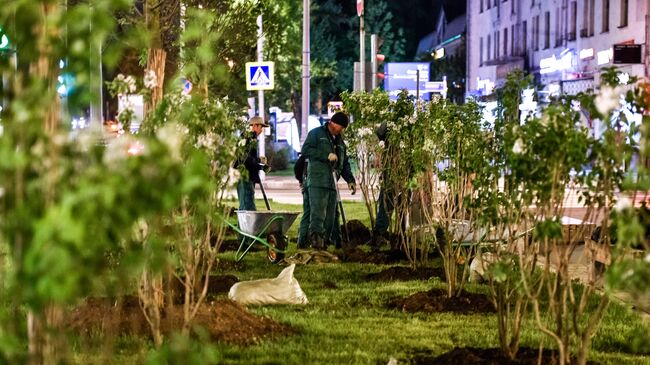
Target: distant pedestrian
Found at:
x=326, y=154
x=252, y=163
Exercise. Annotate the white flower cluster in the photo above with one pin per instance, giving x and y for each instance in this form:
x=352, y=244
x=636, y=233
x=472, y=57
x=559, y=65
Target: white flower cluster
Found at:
x=128, y=81
x=173, y=135
x=519, y=147
x=622, y=204
x=402, y=145
x=365, y=131
x=382, y=144
x=608, y=99
x=232, y=178
x=150, y=79
x=429, y=146
x=207, y=141
x=119, y=149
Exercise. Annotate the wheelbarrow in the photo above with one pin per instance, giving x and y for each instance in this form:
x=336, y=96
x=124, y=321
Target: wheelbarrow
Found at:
x=266, y=227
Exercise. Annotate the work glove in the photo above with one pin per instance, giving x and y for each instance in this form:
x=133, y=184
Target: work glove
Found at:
x=266, y=168
x=332, y=157
x=353, y=187
x=263, y=160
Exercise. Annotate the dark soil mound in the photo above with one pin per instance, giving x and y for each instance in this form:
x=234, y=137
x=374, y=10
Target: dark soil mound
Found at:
x=379, y=258
x=476, y=356
x=436, y=300
x=359, y=233
x=225, y=320
x=228, y=265
x=402, y=273
x=218, y=284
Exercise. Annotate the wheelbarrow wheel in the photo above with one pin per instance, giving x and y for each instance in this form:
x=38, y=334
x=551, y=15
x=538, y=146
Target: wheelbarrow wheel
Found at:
x=277, y=241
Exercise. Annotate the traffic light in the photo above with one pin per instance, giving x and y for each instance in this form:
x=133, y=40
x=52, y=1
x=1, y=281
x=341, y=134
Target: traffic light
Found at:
x=5, y=45
x=376, y=60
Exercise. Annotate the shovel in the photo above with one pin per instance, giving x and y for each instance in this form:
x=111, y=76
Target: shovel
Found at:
x=340, y=206
x=266, y=200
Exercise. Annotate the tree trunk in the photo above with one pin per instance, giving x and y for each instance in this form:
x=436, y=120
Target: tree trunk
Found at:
x=155, y=63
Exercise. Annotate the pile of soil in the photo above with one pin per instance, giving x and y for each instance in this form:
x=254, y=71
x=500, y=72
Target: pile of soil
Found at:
x=378, y=258
x=402, y=273
x=218, y=284
x=359, y=233
x=225, y=321
x=478, y=356
x=436, y=300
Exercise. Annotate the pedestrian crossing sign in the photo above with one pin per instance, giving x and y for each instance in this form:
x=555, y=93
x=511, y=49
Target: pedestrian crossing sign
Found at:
x=259, y=75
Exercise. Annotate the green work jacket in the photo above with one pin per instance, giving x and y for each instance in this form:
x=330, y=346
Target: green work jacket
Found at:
x=318, y=145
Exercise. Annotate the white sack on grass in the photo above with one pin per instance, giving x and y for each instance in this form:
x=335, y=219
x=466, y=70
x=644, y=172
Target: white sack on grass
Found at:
x=284, y=289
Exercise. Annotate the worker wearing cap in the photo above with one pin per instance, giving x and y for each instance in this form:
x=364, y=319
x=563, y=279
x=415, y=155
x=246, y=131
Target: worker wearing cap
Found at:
x=326, y=153
x=252, y=164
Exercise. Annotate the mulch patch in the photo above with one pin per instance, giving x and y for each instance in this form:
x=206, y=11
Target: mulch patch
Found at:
x=436, y=300
x=225, y=320
x=402, y=273
x=478, y=356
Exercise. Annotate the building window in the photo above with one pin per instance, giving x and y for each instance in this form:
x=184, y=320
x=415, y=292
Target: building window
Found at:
x=496, y=3
x=480, y=52
x=512, y=7
x=512, y=40
x=497, y=44
x=625, y=4
x=489, y=47
x=584, y=31
x=592, y=17
x=536, y=33
x=524, y=36
x=605, y=16
x=481, y=8
x=505, y=42
x=558, y=28
x=573, y=21
x=489, y=4
x=547, y=29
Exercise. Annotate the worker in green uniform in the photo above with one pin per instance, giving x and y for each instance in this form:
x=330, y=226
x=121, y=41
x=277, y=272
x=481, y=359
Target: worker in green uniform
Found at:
x=326, y=153
x=252, y=164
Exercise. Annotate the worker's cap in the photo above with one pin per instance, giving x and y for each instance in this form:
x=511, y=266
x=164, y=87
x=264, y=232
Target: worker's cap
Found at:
x=257, y=120
x=341, y=119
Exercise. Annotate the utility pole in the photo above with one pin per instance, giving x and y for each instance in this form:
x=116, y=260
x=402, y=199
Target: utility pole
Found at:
x=362, y=47
x=305, y=71
x=96, y=101
x=261, y=148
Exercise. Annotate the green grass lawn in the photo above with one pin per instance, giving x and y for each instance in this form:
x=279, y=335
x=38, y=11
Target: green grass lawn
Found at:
x=351, y=324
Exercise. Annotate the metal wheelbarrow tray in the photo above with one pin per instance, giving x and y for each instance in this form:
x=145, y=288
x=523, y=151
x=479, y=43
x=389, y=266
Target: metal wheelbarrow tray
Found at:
x=267, y=227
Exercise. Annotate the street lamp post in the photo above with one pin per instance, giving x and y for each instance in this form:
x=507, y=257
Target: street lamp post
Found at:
x=305, y=71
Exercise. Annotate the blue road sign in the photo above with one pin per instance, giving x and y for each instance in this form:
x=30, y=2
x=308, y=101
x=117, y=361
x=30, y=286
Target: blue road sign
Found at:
x=404, y=76
x=259, y=75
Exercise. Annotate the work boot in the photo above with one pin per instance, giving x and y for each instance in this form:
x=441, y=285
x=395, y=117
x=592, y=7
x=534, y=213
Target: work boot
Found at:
x=317, y=242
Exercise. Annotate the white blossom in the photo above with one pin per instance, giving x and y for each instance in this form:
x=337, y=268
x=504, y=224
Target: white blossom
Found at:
x=646, y=258
x=382, y=144
x=242, y=142
x=622, y=203
x=608, y=99
x=206, y=141
x=402, y=145
x=519, y=147
x=173, y=136
x=232, y=178
x=150, y=79
x=130, y=82
x=117, y=150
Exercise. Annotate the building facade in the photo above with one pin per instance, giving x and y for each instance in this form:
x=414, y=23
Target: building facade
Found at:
x=563, y=43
